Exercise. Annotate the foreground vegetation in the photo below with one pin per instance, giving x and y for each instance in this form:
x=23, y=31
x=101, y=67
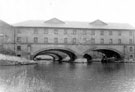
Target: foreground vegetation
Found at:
x=14, y=60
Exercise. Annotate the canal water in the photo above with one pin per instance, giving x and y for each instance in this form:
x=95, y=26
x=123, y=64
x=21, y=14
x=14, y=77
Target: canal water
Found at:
x=65, y=77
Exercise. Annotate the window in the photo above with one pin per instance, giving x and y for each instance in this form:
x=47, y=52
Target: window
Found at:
x=45, y=40
x=74, y=32
x=131, y=49
x=102, y=32
x=19, y=55
x=102, y=41
x=55, y=31
x=29, y=48
x=110, y=33
x=110, y=41
x=130, y=33
x=35, y=31
x=35, y=40
x=18, y=48
x=65, y=40
x=74, y=40
x=92, y=32
x=119, y=41
x=130, y=41
x=19, y=39
x=119, y=33
x=55, y=40
x=131, y=56
x=45, y=31
x=65, y=31
x=93, y=40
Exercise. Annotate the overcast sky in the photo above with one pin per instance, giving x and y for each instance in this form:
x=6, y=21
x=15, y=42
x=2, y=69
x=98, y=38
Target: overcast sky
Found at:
x=122, y=11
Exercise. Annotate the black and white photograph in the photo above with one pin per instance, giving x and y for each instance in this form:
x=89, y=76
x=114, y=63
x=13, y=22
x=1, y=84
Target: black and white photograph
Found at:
x=67, y=45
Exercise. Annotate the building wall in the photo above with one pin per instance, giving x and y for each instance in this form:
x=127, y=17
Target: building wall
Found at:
x=81, y=37
x=7, y=37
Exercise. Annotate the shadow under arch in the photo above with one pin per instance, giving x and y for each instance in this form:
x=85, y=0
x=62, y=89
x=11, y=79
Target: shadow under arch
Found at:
x=54, y=55
x=87, y=56
x=69, y=52
x=110, y=53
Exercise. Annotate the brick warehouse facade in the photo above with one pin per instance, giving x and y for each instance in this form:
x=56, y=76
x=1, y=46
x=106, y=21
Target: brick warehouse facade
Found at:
x=30, y=38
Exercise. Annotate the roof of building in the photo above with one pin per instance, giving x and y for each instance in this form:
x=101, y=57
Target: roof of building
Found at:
x=4, y=24
x=54, y=22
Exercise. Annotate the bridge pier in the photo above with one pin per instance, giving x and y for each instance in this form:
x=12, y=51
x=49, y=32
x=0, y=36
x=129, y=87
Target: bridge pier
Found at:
x=83, y=58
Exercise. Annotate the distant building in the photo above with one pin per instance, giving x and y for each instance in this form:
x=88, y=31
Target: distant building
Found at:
x=7, y=37
x=32, y=36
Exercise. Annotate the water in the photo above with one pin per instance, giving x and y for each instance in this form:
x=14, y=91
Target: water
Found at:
x=65, y=77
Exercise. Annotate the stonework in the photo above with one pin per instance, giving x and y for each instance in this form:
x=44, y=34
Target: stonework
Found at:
x=29, y=38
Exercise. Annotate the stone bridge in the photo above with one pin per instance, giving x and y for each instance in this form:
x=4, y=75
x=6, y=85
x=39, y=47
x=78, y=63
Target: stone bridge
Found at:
x=60, y=52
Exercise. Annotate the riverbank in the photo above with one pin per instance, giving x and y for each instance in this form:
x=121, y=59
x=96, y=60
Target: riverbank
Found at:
x=14, y=60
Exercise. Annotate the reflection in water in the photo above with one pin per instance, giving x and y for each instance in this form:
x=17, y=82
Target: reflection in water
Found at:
x=112, y=67
x=17, y=80
x=65, y=77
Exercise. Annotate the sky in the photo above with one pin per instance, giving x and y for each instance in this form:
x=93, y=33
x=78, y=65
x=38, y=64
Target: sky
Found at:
x=121, y=11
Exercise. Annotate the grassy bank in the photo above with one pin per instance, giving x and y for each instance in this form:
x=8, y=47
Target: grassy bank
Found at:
x=14, y=60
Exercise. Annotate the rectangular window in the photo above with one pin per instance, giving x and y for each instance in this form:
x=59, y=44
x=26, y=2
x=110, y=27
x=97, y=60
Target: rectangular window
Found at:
x=130, y=41
x=65, y=31
x=119, y=33
x=18, y=55
x=45, y=31
x=55, y=40
x=131, y=49
x=102, y=32
x=45, y=40
x=102, y=41
x=18, y=48
x=74, y=32
x=92, y=40
x=65, y=40
x=119, y=41
x=35, y=40
x=110, y=33
x=19, y=39
x=55, y=31
x=110, y=41
x=92, y=32
x=35, y=31
x=74, y=40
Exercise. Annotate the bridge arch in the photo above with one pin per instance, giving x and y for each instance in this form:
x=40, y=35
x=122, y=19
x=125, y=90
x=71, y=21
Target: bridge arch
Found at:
x=54, y=55
x=57, y=52
x=109, y=52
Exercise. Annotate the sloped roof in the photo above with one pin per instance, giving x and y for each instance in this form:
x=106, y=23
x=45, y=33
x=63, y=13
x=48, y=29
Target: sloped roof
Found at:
x=4, y=24
x=98, y=24
x=54, y=21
